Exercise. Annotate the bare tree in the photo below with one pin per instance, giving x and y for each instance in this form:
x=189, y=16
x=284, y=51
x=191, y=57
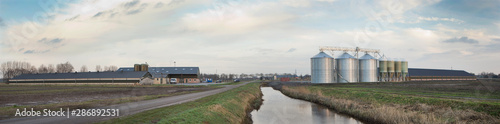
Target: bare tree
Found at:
x=113, y=68
x=98, y=68
x=51, y=68
x=11, y=69
x=83, y=68
x=106, y=68
x=33, y=70
x=64, y=67
x=43, y=69
x=110, y=68
x=69, y=67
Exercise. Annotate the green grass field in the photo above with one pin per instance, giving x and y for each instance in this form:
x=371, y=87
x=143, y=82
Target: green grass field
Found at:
x=228, y=107
x=410, y=102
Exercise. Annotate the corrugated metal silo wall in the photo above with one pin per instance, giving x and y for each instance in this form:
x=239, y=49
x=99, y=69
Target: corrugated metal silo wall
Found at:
x=322, y=70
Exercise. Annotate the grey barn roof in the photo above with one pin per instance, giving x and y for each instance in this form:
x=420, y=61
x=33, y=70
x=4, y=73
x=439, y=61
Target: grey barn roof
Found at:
x=164, y=71
x=286, y=76
x=137, y=74
x=436, y=72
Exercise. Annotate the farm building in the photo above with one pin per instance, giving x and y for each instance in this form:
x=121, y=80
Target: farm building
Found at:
x=162, y=75
x=285, y=78
x=122, y=77
x=419, y=74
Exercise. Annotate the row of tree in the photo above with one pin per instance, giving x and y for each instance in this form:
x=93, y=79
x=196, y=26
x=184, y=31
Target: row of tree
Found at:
x=11, y=69
x=488, y=75
x=246, y=76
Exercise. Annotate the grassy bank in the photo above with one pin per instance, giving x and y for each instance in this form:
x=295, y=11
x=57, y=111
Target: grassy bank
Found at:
x=228, y=83
x=428, y=102
x=232, y=106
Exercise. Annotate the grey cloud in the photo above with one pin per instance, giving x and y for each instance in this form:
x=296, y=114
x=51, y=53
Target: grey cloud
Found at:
x=55, y=41
x=52, y=41
x=1, y=22
x=29, y=52
x=461, y=40
x=490, y=48
x=495, y=39
x=73, y=18
x=34, y=51
x=112, y=15
x=175, y=2
x=291, y=50
x=98, y=14
x=143, y=6
x=159, y=5
x=21, y=49
x=134, y=12
x=131, y=4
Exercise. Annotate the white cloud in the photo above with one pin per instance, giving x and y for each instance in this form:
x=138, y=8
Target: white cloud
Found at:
x=420, y=19
x=330, y=1
x=234, y=37
x=247, y=19
x=297, y=3
x=390, y=11
x=397, y=7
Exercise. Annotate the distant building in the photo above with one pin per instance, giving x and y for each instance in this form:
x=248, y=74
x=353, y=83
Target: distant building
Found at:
x=162, y=75
x=285, y=78
x=419, y=74
x=139, y=77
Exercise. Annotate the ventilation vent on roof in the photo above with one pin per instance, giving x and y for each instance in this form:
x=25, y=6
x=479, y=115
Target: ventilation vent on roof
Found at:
x=175, y=68
x=183, y=69
x=191, y=68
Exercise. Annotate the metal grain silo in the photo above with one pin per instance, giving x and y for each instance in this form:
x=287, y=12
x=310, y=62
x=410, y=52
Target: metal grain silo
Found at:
x=390, y=69
x=383, y=69
x=322, y=68
x=368, y=69
x=397, y=70
x=390, y=66
x=404, y=69
x=347, y=68
x=144, y=67
x=137, y=67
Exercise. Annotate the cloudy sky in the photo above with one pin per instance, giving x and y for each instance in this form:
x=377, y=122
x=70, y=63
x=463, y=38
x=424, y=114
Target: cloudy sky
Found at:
x=249, y=36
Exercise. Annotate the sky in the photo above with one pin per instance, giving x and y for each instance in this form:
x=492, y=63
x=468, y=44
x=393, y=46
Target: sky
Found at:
x=249, y=36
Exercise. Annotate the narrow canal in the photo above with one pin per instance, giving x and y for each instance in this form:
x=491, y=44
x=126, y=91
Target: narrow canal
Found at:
x=280, y=109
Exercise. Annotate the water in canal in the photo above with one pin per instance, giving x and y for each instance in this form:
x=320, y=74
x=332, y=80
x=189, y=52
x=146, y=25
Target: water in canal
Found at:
x=280, y=109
